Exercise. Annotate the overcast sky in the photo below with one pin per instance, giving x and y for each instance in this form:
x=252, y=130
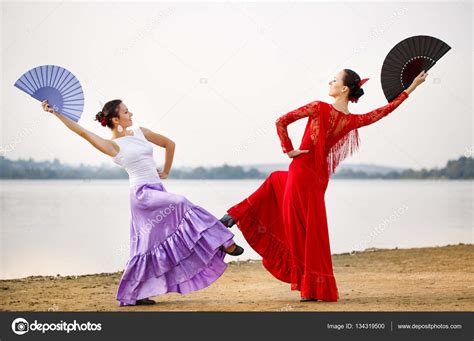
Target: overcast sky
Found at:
x=214, y=77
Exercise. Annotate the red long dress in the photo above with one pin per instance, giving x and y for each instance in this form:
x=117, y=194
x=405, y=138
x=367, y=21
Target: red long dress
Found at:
x=284, y=220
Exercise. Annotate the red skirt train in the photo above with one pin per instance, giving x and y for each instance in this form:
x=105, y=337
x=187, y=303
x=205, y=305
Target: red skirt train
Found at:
x=285, y=221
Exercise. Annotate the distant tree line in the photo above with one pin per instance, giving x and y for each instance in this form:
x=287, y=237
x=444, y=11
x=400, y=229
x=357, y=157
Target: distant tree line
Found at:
x=462, y=168
x=222, y=172
x=30, y=169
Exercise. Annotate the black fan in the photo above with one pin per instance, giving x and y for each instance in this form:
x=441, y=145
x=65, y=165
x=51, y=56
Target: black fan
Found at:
x=407, y=59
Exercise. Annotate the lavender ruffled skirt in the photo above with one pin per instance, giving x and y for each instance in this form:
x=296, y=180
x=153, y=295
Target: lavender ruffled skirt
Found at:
x=174, y=245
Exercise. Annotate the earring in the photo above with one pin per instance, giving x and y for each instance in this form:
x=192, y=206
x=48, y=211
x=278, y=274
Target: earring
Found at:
x=119, y=128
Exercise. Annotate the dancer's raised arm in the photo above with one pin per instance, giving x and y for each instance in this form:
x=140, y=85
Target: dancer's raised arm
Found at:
x=362, y=120
x=358, y=121
x=311, y=109
x=105, y=146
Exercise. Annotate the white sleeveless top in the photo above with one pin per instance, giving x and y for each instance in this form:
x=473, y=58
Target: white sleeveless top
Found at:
x=136, y=157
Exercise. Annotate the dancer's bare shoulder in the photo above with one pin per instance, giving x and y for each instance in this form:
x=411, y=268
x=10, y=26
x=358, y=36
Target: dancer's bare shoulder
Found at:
x=115, y=147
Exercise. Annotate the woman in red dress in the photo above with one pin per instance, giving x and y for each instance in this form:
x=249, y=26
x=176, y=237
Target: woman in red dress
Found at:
x=284, y=220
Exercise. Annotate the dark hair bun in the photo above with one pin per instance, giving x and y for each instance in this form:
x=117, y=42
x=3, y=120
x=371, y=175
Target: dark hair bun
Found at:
x=358, y=92
x=101, y=118
x=109, y=111
x=352, y=80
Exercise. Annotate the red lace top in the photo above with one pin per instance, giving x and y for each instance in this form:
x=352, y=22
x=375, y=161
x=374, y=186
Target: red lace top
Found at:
x=331, y=132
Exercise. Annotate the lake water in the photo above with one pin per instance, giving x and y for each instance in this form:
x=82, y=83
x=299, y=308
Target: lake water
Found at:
x=73, y=227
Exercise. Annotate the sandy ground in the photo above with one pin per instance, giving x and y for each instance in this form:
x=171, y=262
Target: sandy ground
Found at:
x=418, y=279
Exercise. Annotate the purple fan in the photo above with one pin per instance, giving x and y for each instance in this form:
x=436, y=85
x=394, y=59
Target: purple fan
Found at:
x=57, y=85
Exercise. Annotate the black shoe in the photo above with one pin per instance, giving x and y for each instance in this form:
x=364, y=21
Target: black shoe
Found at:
x=237, y=251
x=145, y=301
x=227, y=220
x=304, y=299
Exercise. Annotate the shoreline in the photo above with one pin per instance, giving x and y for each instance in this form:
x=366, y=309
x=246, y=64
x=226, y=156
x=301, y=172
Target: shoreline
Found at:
x=436, y=278
x=237, y=262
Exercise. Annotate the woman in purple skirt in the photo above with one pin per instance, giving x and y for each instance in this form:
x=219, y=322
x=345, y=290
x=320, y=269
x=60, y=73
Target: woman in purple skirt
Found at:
x=175, y=245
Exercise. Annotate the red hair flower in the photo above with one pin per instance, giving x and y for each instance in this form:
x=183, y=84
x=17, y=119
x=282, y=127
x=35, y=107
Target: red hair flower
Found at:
x=103, y=121
x=354, y=100
x=362, y=82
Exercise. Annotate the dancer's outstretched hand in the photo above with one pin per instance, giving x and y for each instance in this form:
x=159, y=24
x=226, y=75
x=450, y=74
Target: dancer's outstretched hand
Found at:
x=420, y=78
x=417, y=81
x=295, y=152
x=46, y=106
